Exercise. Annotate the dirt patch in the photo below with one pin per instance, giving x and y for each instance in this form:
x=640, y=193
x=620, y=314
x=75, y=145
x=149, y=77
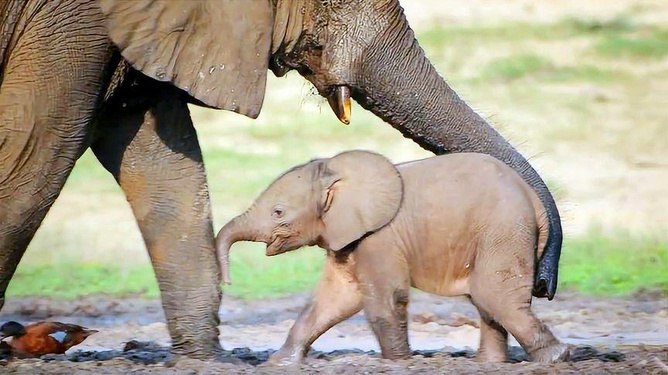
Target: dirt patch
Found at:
x=608, y=334
x=629, y=360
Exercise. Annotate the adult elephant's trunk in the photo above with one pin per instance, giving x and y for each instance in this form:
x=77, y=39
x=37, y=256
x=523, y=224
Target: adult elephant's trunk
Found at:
x=237, y=229
x=398, y=83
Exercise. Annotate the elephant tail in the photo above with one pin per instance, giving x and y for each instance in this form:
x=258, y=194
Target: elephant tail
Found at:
x=547, y=256
x=545, y=281
x=548, y=246
x=543, y=234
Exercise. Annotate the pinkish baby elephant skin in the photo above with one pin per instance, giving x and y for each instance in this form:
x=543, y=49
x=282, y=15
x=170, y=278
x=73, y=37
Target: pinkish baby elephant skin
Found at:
x=461, y=224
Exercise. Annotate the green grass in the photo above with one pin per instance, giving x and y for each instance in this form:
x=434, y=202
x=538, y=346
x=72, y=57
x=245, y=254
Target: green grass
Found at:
x=649, y=44
x=595, y=264
x=586, y=73
x=451, y=49
x=440, y=36
x=620, y=24
x=568, y=28
x=72, y=280
x=621, y=37
x=542, y=68
x=516, y=67
x=254, y=275
x=622, y=264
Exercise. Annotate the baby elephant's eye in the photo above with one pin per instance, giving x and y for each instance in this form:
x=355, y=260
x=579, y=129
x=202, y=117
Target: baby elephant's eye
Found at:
x=278, y=212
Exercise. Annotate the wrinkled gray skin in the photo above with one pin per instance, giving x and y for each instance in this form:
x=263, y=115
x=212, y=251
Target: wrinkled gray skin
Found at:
x=462, y=224
x=70, y=79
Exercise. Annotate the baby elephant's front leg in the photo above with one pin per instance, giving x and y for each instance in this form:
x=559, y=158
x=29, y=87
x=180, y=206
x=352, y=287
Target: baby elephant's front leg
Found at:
x=336, y=298
x=385, y=286
x=388, y=317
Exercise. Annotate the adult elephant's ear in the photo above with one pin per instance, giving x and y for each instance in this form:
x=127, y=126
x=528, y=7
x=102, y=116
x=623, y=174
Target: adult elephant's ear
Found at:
x=361, y=193
x=216, y=50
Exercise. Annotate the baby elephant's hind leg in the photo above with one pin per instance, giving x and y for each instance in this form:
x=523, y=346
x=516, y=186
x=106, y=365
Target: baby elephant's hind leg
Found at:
x=501, y=289
x=493, y=340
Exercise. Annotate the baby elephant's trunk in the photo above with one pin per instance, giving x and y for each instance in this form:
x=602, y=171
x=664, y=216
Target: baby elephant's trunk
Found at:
x=235, y=230
x=223, y=244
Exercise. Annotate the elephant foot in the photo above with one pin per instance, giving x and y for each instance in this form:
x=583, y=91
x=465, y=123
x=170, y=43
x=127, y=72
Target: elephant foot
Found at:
x=557, y=352
x=287, y=356
x=198, y=352
x=397, y=356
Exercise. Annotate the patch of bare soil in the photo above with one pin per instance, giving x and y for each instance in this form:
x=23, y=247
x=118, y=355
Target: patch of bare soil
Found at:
x=641, y=360
x=607, y=334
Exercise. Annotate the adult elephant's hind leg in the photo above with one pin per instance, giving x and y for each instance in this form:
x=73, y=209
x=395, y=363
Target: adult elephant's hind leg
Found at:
x=147, y=141
x=49, y=92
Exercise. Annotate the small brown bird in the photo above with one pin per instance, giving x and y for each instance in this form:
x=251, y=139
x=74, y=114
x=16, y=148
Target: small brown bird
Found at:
x=41, y=338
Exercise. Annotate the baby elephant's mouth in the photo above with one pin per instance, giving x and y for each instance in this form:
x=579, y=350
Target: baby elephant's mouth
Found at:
x=275, y=247
x=282, y=244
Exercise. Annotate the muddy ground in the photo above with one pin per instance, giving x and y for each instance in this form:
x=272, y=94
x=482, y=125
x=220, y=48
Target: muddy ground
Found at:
x=607, y=334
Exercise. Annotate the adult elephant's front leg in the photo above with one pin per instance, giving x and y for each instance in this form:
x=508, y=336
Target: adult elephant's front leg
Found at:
x=50, y=86
x=148, y=143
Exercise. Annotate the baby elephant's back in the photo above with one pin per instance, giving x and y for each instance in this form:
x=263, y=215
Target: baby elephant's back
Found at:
x=466, y=179
x=464, y=200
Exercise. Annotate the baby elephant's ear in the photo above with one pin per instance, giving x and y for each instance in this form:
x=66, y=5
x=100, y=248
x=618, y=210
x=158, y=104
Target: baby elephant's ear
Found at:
x=361, y=193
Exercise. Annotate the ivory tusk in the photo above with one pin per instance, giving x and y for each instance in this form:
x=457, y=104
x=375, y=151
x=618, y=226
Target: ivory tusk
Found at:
x=340, y=103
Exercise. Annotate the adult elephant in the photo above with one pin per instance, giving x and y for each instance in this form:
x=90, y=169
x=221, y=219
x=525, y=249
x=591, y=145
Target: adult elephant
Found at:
x=65, y=88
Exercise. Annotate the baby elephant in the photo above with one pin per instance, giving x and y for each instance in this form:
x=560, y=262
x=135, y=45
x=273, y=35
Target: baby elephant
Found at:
x=461, y=224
